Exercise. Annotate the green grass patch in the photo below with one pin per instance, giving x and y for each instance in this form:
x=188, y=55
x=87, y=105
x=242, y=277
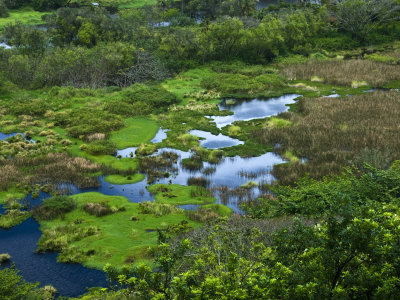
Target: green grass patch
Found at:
x=180, y=194
x=135, y=132
x=119, y=179
x=11, y=193
x=120, y=238
x=220, y=209
x=25, y=15
x=13, y=218
x=188, y=83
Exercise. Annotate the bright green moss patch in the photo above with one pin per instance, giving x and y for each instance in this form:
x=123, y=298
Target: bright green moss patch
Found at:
x=119, y=238
x=119, y=179
x=222, y=210
x=393, y=85
x=180, y=194
x=278, y=123
x=135, y=132
x=187, y=84
x=13, y=217
x=11, y=193
x=290, y=156
x=25, y=15
x=123, y=164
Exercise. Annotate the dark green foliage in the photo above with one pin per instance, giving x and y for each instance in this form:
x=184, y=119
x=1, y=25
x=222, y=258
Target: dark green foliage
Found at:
x=16, y=3
x=100, y=147
x=3, y=10
x=43, y=5
x=13, y=286
x=27, y=39
x=154, y=96
x=54, y=207
x=85, y=121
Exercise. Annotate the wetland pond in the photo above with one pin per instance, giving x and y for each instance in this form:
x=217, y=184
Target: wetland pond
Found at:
x=230, y=174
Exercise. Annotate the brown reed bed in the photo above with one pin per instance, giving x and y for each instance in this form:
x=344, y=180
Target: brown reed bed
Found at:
x=333, y=133
x=344, y=72
x=51, y=168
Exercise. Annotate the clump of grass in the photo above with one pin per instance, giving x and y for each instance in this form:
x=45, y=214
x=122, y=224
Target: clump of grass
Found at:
x=209, y=212
x=209, y=170
x=333, y=132
x=4, y=258
x=97, y=209
x=198, y=181
x=193, y=163
x=157, y=209
x=199, y=191
x=146, y=149
x=100, y=147
x=59, y=237
x=54, y=207
x=202, y=215
x=13, y=217
x=157, y=166
x=344, y=72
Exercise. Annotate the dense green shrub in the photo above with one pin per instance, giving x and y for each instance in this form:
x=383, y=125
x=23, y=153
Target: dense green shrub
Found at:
x=154, y=96
x=3, y=10
x=230, y=84
x=101, y=147
x=43, y=5
x=85, y=121
x=54, y=207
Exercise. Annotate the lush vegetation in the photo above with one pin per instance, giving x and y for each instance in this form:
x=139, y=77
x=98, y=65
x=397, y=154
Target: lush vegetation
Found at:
x=81, y=81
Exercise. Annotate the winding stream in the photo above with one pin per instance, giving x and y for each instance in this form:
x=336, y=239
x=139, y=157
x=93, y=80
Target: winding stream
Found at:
x=73, y=279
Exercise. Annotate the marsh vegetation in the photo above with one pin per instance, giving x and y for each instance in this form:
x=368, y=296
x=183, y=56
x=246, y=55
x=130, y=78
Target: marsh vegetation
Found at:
x=191, y=117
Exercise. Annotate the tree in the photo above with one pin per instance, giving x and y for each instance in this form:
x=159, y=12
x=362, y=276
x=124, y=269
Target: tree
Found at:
x=13, y=286
x=359, y=17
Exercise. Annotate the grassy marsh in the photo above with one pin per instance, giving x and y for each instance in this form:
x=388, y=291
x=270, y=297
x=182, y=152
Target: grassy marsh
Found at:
x=180, y=194
x=333, y=132
x=344, y=72
x=115, y=238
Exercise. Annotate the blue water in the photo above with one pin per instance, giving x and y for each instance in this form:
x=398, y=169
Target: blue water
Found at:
x=160, y=136
x=246, y=110
x=4, y=136
x=211, y=141
x=69, y=279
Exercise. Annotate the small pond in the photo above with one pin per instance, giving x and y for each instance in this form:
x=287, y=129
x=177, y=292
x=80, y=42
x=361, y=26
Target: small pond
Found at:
x=211, y=141
x=160, y=136
x=246, y=110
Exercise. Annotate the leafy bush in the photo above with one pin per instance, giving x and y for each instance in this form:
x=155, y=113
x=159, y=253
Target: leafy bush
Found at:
x=54, y=207
x=100, y=147
x=3, y=10
x=154, y=96
x=86, y=121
